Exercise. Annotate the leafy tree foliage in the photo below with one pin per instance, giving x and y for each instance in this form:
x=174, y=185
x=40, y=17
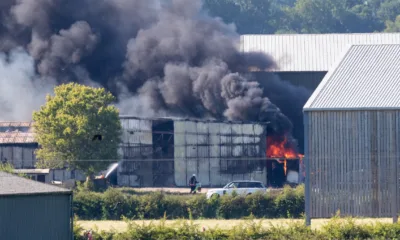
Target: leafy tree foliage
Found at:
x=307, y=16
x=66, y=124
x=393, y=26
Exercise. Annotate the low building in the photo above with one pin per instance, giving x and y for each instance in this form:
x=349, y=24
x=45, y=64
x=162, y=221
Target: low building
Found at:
x=17, y=144
x=352, y=136
x=33, y=210
x=17, y=147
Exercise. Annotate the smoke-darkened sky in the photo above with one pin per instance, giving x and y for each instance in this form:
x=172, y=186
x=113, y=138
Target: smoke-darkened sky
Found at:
x=160, y=58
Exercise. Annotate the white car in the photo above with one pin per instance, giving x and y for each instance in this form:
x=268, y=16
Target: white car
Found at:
x=240, y=187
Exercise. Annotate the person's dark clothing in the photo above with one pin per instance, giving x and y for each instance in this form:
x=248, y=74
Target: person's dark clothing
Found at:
x=192, y=183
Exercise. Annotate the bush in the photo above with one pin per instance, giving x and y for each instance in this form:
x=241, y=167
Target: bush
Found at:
x=114, y=204
x=335, y=229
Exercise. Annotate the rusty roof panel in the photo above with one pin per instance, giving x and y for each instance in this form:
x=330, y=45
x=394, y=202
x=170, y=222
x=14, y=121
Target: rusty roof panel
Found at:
x=16, y=137
x=16, y=124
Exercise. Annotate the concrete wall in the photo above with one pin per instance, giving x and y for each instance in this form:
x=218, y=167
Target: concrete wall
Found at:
x=35, y=217
x=19, y=155
x=353, y=157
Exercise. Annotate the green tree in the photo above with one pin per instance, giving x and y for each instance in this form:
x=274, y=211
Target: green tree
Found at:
x=65, y=126
x=393, y=26
x=9, y=168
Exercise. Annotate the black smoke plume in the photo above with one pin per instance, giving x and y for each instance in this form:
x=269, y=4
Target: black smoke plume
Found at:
x=161, y=58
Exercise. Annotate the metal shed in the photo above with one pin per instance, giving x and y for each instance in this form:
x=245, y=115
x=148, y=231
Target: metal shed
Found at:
x=17, y=144
x=166, y=152
x=33, y=210
x=352, y=136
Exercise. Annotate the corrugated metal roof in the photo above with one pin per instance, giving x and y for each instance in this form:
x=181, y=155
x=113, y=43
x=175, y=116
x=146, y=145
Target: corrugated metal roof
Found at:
x=14, y=185
x=16, y=124
x=310, y=52
x=17, y=137
x=366, y=77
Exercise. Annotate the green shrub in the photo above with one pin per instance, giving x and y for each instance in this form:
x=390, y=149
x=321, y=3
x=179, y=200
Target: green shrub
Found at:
x=335, y=229
x=114, y=203
x=88, y=205
x=261, y=205
x=233, y=207
x=290, y=204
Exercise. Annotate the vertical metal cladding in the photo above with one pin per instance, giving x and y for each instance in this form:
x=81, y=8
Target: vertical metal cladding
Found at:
x=35, y=216
x=136, y=145
x=351, y=154
x=219, y=152
x=19, y=155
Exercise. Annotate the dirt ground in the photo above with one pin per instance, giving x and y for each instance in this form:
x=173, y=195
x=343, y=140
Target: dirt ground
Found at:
x=212, y=223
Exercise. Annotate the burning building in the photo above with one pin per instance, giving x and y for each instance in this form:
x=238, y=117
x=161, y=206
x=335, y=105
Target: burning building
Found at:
x=352, y=136
x=166, y=152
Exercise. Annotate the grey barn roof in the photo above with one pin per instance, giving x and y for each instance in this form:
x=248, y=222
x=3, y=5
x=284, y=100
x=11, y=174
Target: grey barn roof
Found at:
x=310, y=52
x=366, y=77
x=14, y=185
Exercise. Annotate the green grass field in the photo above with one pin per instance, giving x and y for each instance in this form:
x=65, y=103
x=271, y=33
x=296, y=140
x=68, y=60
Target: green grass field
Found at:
x=212, y=223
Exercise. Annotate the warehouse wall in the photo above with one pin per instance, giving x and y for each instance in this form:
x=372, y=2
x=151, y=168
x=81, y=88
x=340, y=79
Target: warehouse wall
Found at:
x=35, y=217
x=219, y=152
x=20, y=155
x=137, y=144
x=354, y=157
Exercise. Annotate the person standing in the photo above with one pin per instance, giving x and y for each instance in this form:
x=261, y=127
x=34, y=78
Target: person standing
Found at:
x=192, y=183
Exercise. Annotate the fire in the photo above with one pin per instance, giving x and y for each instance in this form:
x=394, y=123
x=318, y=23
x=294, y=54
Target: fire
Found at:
x=278, y=147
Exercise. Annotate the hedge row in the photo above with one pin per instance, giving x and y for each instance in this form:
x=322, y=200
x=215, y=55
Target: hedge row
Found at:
x=113, y=205
x=335, y=229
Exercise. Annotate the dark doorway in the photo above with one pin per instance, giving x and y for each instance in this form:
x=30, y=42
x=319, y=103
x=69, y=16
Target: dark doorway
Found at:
x=163, y=153
x=41, y=178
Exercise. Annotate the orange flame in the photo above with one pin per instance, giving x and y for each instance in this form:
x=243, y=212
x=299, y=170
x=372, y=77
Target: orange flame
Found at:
x=278, y=147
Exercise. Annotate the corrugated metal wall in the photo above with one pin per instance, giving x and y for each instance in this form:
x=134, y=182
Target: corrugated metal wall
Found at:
x=137, y=143
x=353, y=156
x=20, y=155
x=219, y=152
x=35, y=217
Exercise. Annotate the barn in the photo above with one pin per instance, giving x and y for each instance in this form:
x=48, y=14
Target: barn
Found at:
x=17, y=147
x=352, y=136
x=33, y=210
x=304, y=59
x=166, y=152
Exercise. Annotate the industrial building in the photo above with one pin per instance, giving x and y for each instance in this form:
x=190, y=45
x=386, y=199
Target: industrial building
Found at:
x=304, y=59
x=17, y=147
x=33, y=210
x=166, y=152
x=352, y=136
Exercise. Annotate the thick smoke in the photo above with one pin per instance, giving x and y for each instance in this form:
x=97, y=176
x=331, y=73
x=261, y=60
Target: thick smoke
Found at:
x=161, y=58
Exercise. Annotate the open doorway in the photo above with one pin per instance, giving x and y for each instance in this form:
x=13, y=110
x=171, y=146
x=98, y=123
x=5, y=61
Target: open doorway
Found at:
x=163, y=152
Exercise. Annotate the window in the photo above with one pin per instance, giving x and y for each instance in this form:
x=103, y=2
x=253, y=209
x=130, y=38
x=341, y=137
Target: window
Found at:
x=255, y=185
